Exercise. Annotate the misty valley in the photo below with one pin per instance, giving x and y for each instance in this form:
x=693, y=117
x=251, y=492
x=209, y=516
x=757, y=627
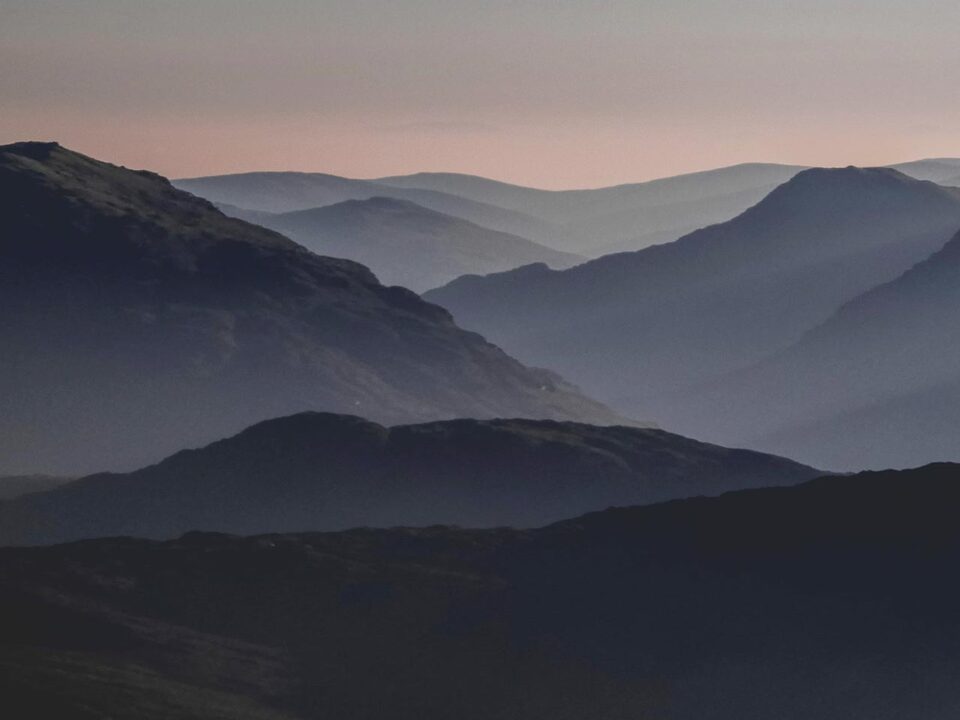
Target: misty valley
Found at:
x=244, y=478
x=502, y=360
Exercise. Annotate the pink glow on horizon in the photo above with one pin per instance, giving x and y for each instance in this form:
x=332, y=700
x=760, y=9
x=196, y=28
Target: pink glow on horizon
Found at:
x=548, y=93
x=564, y=158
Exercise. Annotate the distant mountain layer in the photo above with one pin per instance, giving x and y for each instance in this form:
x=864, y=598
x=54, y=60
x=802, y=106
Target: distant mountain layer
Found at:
x=330, y=472
x=880, y=380
x=623, y=217
x=137, y=319
x=591, y=222
x=832, y=600
x=406, y=244
x=282, y=192
x=637, y=329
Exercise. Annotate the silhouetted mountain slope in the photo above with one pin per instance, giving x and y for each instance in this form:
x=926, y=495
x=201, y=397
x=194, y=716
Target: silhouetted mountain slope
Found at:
x=878, y=384
x=406, y=244
x=14, y=486
x=832, y=600
x=137, y=319
x=257, y=217
x=667, y=222
x=329, y=472
x=623, y=217
x=634, y=328
x=282, y=192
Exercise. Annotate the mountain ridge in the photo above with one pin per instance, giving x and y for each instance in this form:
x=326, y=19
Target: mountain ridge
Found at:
x=407, y=244
x=881, y=374
x=588, y=221
x=664, y=319
x=808, y=600
x=280, y=192
x=324, y=471
x=163, y=322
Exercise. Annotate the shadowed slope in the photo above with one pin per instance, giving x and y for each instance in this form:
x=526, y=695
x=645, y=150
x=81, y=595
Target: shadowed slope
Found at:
x=406, y=244
x=634, y=328
x=877, y=384
x=136, y=319
x=16, y=485
x=832, y=600
x=323, y=471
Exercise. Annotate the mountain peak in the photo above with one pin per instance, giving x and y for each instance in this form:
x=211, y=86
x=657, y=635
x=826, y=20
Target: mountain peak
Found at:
x=851, y=179
x=34, y=149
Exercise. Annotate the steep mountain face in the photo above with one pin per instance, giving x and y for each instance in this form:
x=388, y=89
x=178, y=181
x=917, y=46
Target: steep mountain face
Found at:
x=137, y=319
x=803, y=602
x=329, y=472
x=877, y=384
x=624, y=217
x=282, y=192
x=409, y=245
x=637, y=328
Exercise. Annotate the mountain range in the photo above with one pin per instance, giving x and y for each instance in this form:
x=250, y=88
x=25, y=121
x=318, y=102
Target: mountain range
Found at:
x=406, y=244
x=327, y=472
x=589, y=222
x=137, y=319
x=282, y=192
x=623, y=217
x=640, y=329
x=833, y=600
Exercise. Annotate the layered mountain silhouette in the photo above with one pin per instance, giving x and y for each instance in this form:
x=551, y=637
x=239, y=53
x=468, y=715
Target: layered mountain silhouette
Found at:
x=591, y=222
x=282, y=192
x=878, y=383
x=406, y=244
x=833, y=600
x=329, y=472
x=637, y=328
x=623, y=217
x=137, y=319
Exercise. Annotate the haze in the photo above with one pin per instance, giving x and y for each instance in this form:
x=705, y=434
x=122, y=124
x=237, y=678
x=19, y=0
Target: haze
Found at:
x=549, y=93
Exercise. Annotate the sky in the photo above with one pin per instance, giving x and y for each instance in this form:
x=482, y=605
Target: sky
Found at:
x=550, y=93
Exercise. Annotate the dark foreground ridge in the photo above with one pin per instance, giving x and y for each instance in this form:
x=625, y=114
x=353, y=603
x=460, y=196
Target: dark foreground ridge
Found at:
x=795, y=603
x=329, y=472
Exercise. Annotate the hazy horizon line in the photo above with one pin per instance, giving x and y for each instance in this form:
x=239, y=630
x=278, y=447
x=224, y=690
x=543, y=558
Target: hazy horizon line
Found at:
x=464, y=173
x=656, y=178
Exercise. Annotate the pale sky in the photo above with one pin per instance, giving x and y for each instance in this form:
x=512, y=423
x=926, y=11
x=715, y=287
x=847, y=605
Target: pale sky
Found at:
x=552, y=93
